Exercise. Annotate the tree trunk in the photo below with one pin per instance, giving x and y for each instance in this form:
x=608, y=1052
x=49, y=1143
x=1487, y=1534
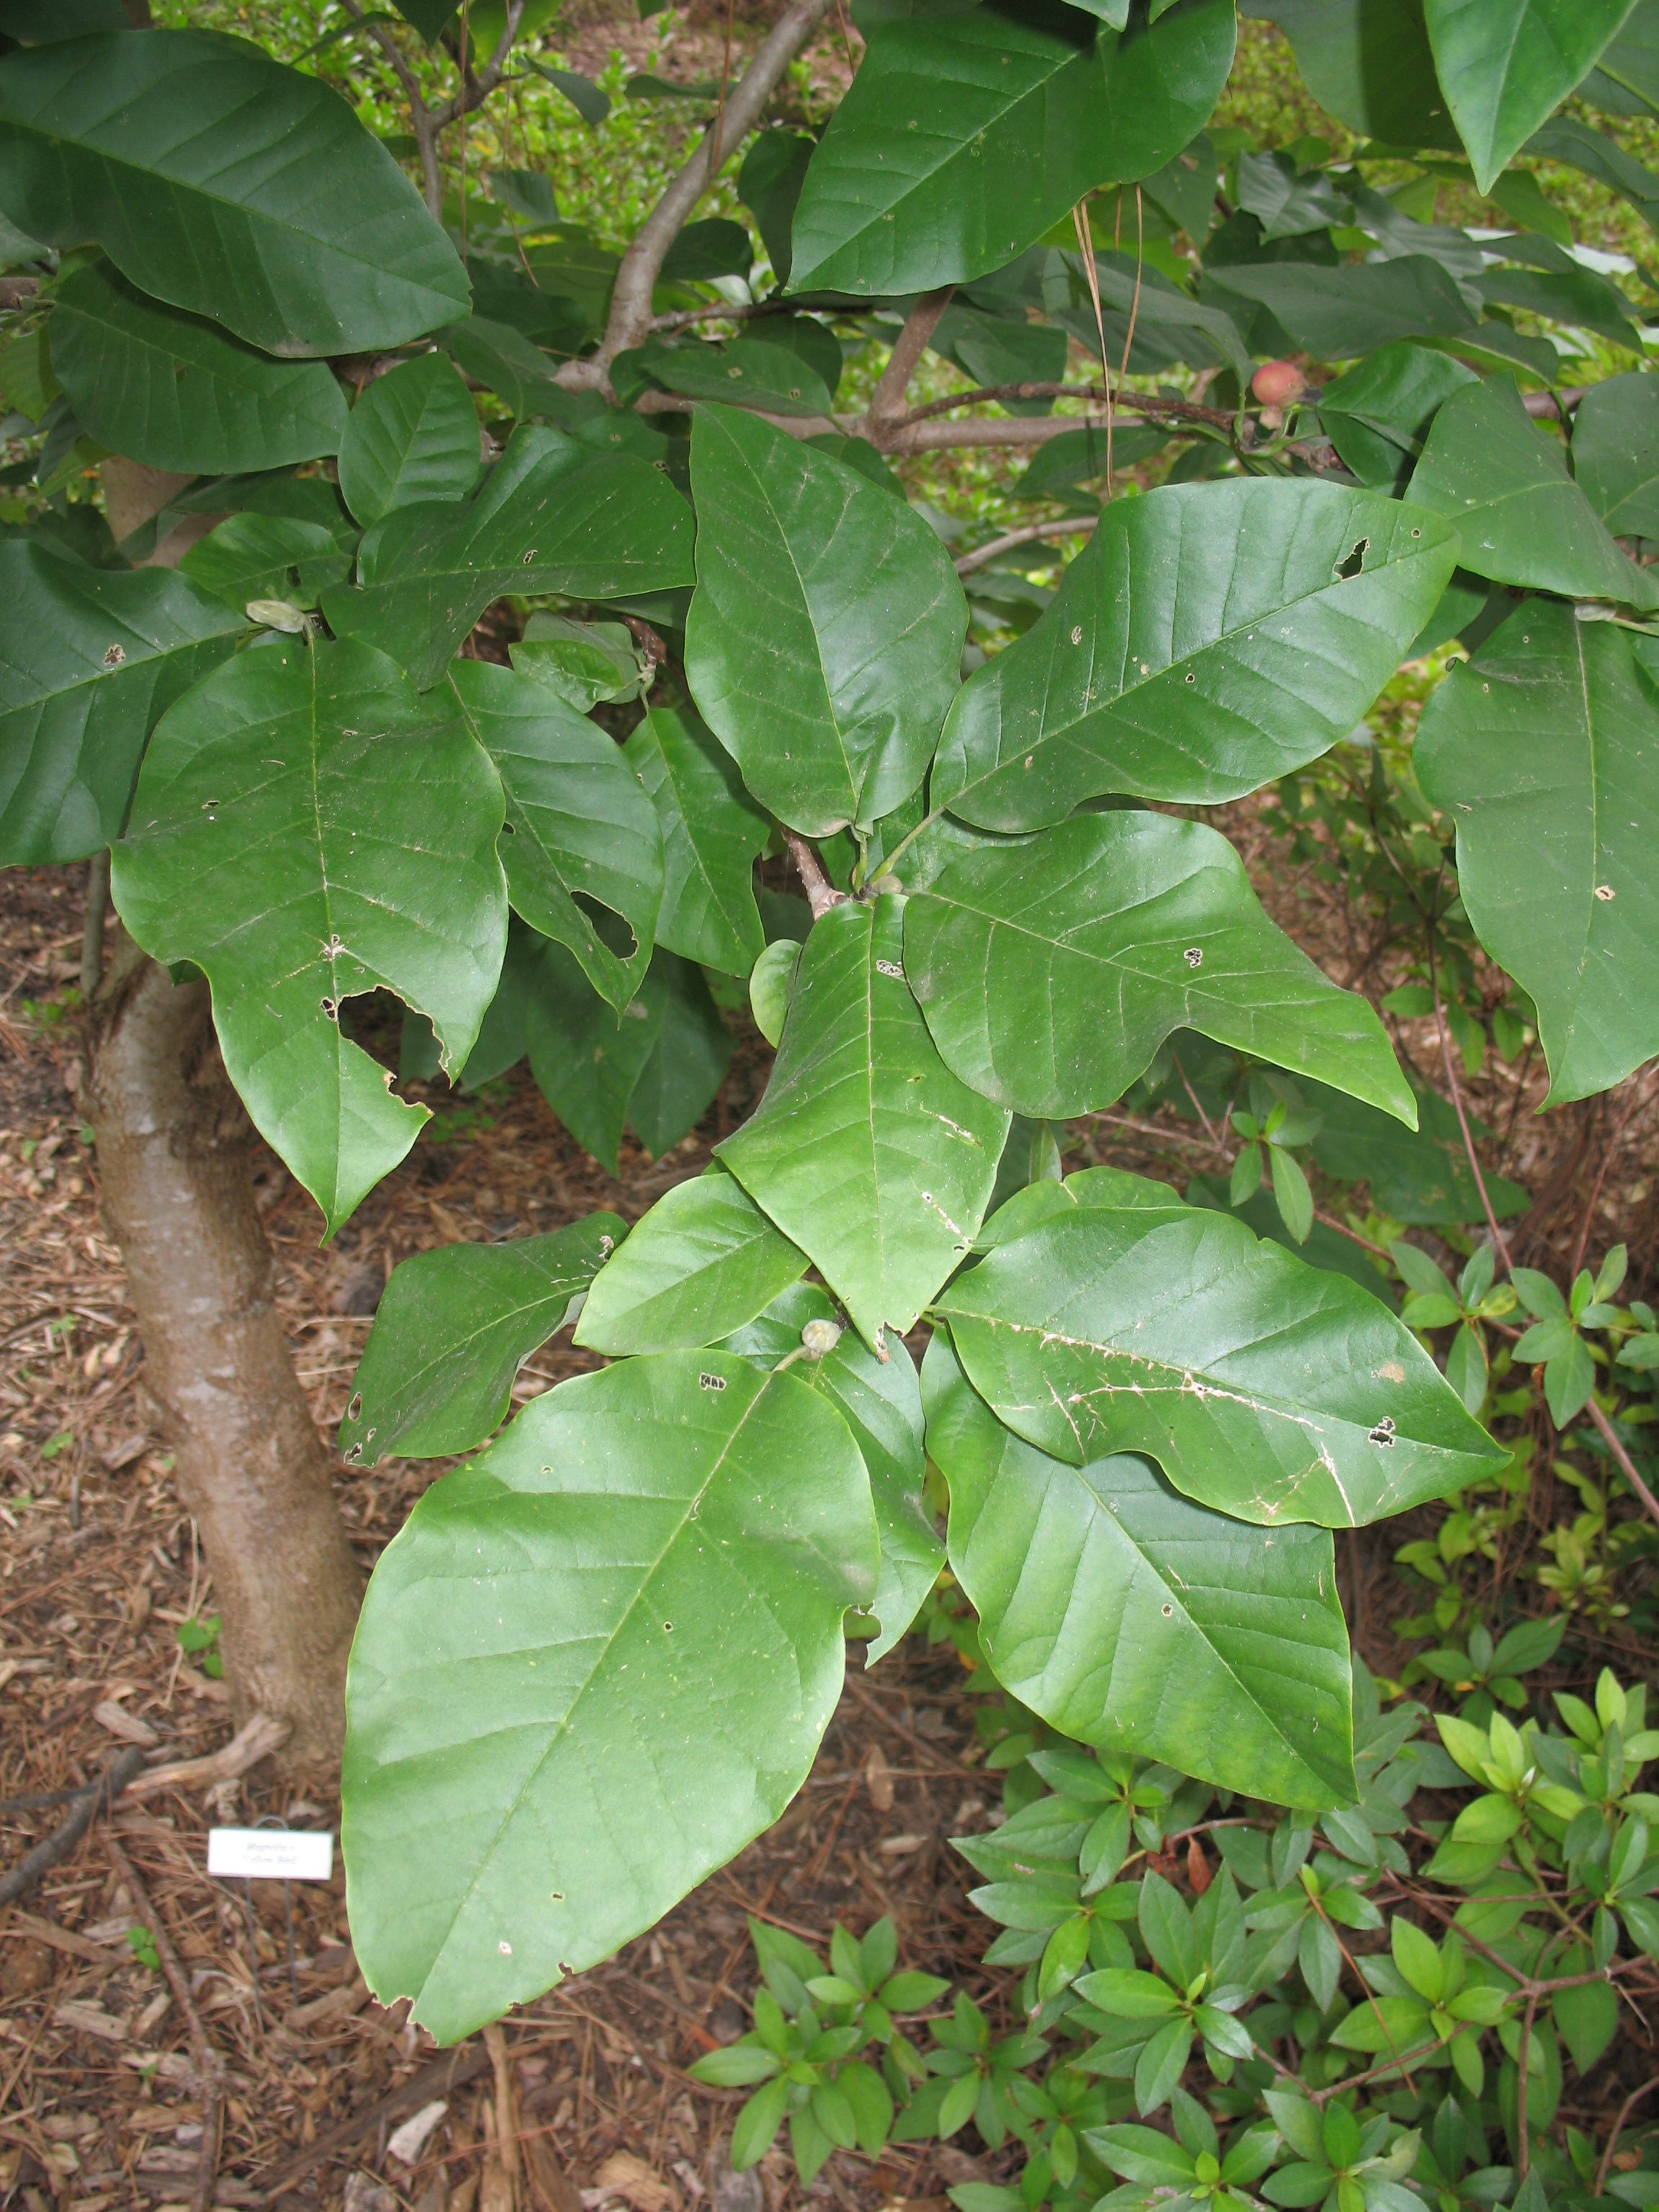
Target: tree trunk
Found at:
x=173, y=1152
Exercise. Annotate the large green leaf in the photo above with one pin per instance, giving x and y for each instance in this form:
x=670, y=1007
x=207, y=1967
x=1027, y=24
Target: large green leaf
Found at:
x=686, y=1065
x=824, y=640
x=1367, y=63
x=1378, y=415
x=585, y=1055
x=412, y=435
x=93, y=658
x=1504, y=484
x=1626, y=80
x=751, y=373
x=1416, y=1175
x=1564, y=138
x=1504, y=65
x=964, y=139
x=594, y=1664
x=581, y=846
x=266, y=556
x=453, y=1327
x=1131, y=1618
x=225, y=183
x=174, y=391
x=1616, y=452
x=306, y=829
x=712, y=834
x=1051, y=971
x=1338, y=314
x=550, y=516
x=700, y=1263
x=866, y=1151
x=1262, y=1387
x=1209, y=638
x=1544, y=750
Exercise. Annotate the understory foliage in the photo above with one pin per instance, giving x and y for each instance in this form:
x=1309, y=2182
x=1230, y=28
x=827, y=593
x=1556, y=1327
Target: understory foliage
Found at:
x=538, y=604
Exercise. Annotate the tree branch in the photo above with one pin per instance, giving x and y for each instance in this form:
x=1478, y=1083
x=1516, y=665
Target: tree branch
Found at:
x=1073, y=527
x=475, y=90
x=420, y=115
x=629, y=321
x=1152, y=404
x=887, y=400
x=1626, y=1465
x=821, y=893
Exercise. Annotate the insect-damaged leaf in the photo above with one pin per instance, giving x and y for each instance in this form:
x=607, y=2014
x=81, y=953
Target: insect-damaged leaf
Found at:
x=305, y=830
x=1262, y=1387
x=594, y=1663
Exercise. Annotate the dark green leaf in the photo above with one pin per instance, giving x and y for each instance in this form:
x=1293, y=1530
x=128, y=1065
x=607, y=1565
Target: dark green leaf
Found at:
x=265, y=556
x=825, y=636
x=508, y=364
x=769, y=185
x=585, y=1056
x=1185, y=188
x=550, y=517
x=594, y=1663
x=95, y=658
x=1208, y=638
x=1367, y=63
x=1504, y=65
x=751, y=373
x=306, y=829
x=589, y=100
x=226, y=184
x=412, y=435
x=1379, y=413
x=1133, y=1620
x=1419, y=1176
x=687, y=1064
x=865, y=1150
x=714, y=247
x=1616, y=452
x=174, y=391
x=1263, y=1388
x=1502, y=484
x=703, y=1262
x=1545, y=751
x=712, y=834
x=1050, y=971
x=964, y=138
x=581, y=846
x=452, y=1328
x=1338, y=314
x=37, y=23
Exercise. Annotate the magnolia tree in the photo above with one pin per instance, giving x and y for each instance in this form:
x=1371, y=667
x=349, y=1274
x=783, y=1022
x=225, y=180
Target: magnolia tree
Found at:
x=601, y=1654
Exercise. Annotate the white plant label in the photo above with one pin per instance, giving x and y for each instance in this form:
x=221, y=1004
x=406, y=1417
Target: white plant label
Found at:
x=270, y=1854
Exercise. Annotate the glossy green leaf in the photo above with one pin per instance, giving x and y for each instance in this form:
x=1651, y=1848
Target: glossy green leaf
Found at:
x=453, y=1326
x=749, y=373
x=769, y=185
x=1416, y=1175
x=687, y=1064
x=226, y=184
x=1504, y=65
x=865, y=1150
x=1616, y=452
x=1502, y=484
x=581, y=847
x=93, y=659
x=550, y=516
x=1378, y=415
x=306, y=829
x=825, y=635
x=412, y=435
x=585, y=1055
x=771, y=985
x=1208, y=638
x=265, y=556
x=712, y=834
x=1626, y=80
x=584, y=662
x=1367, y=63
x=1050, y=971
x=174, y=391
x=1133, y=1620
x=700, y=1263
x=508, y=364
x=1262, y=1387
x=1544, y=750
x=1337, y=313
x=964, y=139
x=593, y=1665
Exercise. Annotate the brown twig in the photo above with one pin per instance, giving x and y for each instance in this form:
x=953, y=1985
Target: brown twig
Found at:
x=1626, y=1465
x=887, y=409
x=1634, y=2097
x=1073, y=527
x=67, y=1834
x=1137, y=401
x=209, y=2067
x=821, y=893
x=1498, y=1245
x=1522, y=2142
x=450, y=2071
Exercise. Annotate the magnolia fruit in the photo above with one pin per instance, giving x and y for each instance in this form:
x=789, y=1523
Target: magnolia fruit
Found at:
x=1276, y=383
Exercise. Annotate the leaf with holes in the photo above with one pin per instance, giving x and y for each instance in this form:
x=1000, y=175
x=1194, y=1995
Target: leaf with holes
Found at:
x=642, y=1586
x=866, y=1151
x=703, y=1262
x=580, y=843
x=965, y=138
x=1133, y=1620
x=171, y=390
x=412, y=435
x=1051, y=971
x=1262, y=1388
x=550, y=516
x=453, y=1326
x=95, y=657
x=711, y=835
x=222, y=182
x=1544, y=750
x=305, y=830
x=825, y=635
x=1208, y=638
